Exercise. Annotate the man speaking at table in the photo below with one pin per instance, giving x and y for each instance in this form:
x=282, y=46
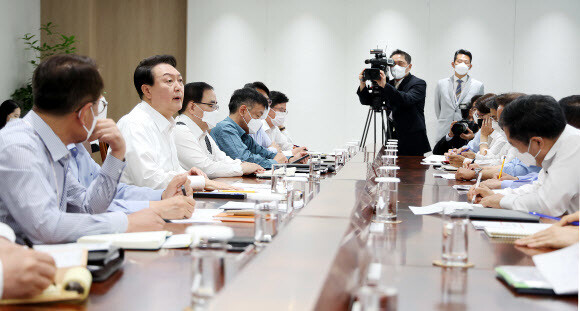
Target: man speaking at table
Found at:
x=404, y=95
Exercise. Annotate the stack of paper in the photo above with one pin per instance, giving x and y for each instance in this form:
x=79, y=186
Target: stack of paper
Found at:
x=439, y=206
x=434, y=160
x=200, y=215
x=135, y=240
x=449, y=176
x=482, y=224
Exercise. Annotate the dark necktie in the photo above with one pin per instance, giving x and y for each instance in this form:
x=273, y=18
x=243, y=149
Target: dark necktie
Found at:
x=207, y=144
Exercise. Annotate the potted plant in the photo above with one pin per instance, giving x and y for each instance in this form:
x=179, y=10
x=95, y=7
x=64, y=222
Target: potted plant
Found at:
x=54, y=43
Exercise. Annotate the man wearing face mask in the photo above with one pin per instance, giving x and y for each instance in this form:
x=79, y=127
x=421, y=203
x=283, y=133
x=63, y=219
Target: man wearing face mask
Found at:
x=41, y=200
x=453, y=91
x=404, y=96
x=247, y=107
x=276, y=116
x=149, y=128
x=261, y=137
x=195, y=147
x=535, y=124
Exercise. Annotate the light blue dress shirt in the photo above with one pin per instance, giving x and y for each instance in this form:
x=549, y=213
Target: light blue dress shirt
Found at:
x=39, y=197
x=262, y=138
x=516, y=167
x=234, y=141
x=129, y=199
x=522, y=180
x=474, y=143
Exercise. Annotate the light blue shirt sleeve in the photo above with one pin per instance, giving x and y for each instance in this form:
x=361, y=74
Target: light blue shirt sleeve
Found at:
x=474, y=143
x=516, y=167
x=241, y=146
x=128, y=199
x=522, y=180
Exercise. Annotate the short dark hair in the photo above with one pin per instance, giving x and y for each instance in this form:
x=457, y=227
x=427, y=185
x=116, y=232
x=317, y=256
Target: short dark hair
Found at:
x=246, y=96
x=571, y=107
x=472, y=101
x=193, y=92
x=533, y=115
x=258, y=85
x=464, y=52
x=6, y=108
x=278, y=98
x=62, y=83
x=503, y=100
x=143, y=73
x=481, y=103
x=401, y=52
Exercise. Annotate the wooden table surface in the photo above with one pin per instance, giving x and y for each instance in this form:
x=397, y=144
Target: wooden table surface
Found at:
x=315, y=262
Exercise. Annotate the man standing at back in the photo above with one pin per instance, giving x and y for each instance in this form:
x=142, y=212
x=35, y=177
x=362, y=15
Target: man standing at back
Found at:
x=404, y=96
x=453, y=91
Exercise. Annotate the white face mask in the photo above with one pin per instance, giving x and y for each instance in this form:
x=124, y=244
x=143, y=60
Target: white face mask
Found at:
x=280, y=118
x=398, y=72
x=211, y=118
x=461, y=69
x=254, y=125
x=95, y=118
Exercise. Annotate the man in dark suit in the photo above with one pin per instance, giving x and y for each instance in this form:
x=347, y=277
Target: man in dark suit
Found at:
x=405, y=97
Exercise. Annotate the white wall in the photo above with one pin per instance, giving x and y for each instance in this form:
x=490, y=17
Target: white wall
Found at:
x=314, y=50
x=17, y=17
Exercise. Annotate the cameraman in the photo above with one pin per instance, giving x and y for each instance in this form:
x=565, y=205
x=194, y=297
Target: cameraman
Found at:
x=404, y=96
x=451, y=140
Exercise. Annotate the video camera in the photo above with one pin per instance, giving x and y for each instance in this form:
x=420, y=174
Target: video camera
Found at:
x=462, y=126
x=370, y=75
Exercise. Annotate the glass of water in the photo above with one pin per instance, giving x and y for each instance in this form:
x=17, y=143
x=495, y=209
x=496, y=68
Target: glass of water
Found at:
x=207, y=255
x=389, y=160
x=265, y=220
x=388, y=171
x=387, y=205
x=299, y=186
x=454, y=244
x=278, y=174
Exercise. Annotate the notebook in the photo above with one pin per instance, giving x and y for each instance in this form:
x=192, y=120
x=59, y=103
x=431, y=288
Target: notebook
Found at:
x=135, y=240
x=524, y=279
x=512, y=233
x=482, y=213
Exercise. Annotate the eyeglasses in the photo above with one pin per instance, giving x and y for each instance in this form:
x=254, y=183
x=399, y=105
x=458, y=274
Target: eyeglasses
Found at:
x=213, y=105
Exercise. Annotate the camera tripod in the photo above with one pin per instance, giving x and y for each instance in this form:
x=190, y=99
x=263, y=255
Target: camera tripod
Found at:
x=386, y=130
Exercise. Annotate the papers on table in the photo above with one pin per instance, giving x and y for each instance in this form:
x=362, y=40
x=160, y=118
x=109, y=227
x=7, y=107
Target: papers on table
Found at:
x=177, y=241
x=133, y=240
x=438, y=207
x=237, y=205
x=449, y=168
x=482, y=224
x=449, y=176
x=560, y=269
x=66, y=255
x=246, y=186
x=434, y=160
x=200, y=215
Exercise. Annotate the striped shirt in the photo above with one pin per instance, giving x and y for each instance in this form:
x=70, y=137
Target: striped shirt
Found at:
x=39, y=197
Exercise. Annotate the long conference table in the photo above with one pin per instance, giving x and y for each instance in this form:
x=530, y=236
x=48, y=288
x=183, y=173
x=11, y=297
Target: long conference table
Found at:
x=315, y=260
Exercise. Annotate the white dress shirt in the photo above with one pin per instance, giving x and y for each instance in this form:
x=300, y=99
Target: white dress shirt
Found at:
x=279, y=138
x=151, y=154
x=7, y=233
x=498, y=146
x=556, y=190
x=192, y=151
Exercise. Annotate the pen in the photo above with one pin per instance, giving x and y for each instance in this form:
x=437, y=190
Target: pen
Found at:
x=476, y=185
x=183, y=190
x=575, y=223
x=462, y=151
x=502, y=164
x=28, y=242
